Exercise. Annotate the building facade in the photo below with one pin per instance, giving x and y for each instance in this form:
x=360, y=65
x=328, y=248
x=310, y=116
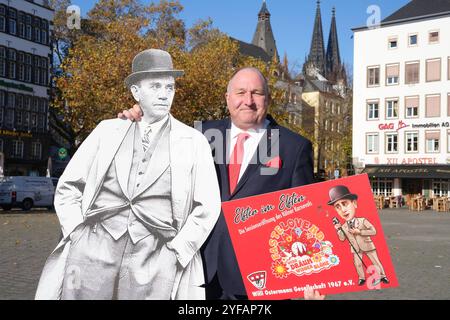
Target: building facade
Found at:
x=401, y=113
x=25, y=61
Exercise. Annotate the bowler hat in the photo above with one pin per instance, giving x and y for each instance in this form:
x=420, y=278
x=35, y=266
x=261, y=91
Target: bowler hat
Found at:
x=340, y=192
x=151, y=63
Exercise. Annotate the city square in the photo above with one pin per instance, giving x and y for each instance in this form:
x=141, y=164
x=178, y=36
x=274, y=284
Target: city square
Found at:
x=419, y=244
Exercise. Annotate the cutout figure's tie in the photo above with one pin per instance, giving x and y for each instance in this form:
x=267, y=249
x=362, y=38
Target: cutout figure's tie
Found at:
x=237, y=155
x=146, y=138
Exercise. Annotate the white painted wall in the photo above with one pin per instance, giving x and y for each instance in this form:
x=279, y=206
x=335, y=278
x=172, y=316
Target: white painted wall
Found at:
x=371, y=48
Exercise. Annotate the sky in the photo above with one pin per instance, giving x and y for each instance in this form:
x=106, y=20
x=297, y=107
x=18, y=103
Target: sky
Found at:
x=292, y=20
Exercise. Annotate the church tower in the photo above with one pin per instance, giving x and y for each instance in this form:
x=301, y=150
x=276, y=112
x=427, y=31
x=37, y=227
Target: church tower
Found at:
x=316, y=58
x=335, y=71
x=263, y=36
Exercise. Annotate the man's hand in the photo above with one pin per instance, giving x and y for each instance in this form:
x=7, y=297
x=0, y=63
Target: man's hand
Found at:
x=133, y=114
x=354, y=231
x=311, y=294
x=337, y=226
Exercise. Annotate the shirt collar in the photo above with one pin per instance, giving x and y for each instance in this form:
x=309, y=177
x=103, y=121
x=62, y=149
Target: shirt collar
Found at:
x=153, y=126
x=235, y=131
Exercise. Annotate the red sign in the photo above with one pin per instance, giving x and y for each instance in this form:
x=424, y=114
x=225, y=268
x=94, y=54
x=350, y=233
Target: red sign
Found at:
x=326, y=236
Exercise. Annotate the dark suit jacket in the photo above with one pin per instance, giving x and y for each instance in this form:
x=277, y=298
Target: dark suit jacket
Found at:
x=297, y=169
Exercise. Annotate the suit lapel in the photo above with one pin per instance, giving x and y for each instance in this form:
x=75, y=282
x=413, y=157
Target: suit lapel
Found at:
x=223, y=163
x=108, y=148
x=124, y=158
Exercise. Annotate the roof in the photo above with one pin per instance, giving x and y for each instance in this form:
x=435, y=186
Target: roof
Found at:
x=251, y=50
x=416, y=10
x=419, y=8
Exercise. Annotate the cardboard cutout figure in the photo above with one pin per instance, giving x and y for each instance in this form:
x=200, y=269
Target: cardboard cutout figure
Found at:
x=136, y=202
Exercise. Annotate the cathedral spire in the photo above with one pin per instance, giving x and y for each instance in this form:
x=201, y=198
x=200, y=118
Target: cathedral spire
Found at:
x=316, y=56
x=333, y=57
x=263, y=36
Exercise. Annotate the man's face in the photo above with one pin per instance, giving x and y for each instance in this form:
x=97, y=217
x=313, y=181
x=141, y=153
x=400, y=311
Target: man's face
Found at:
x=155, y=97
x=346, y=208
x=247, y=100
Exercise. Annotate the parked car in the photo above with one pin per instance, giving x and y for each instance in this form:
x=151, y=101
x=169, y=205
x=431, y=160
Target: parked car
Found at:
x=26, y=192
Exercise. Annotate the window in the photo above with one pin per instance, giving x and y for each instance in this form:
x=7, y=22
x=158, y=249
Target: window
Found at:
x=448, y=68
x=392, y=109
x=373, y=110
x=432, y=141
x=22, y=24
x=392, y=43
x=28, y=67
x=12, y=63
x=44, y=72
x=448, y=141
x=41, y=122
x=12, y=21
x=392, y=74
x=373, y=76
x=412, y=40
x=412, y=107
x=19, y=101
x=1, y=116
x=433, y=106
x=448, y=105
x=36, y=69
x=433, y=37
x=1, y=145
x=21, y=66
x=2, y=18
x=9, y=118
x=391, y=143
x=28, y=27
x=18, y=118
x=2, y=62
x=17, y=149
x=36, y=150
x=33, y=121
x=441, y=188
x=372, y=143
x=382, y=187
x=26, y=121
x=412, y=72
x=433, y=70
x=37, y=29
x=11, y=100
x=27, y=103
x=35, y=105
x=2, y=99
x=412, y=141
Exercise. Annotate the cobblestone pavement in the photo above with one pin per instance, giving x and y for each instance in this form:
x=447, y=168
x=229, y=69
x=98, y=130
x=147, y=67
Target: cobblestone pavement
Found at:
x=419, y=245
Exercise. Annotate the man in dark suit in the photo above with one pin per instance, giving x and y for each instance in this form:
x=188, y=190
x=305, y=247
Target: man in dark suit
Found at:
x=253, y=155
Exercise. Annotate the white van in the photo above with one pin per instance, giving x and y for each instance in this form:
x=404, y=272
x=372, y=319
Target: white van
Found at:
x=26, y=192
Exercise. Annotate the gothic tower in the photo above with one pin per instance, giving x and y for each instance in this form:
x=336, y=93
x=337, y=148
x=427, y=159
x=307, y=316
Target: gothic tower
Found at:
x=316, y=56
x=263, y=36
x=335, y=71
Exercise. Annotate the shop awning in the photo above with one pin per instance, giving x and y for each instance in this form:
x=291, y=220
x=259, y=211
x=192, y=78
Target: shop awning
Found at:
x=408, y=171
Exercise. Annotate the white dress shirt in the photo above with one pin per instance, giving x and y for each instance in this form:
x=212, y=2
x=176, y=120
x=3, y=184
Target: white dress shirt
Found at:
x=155, y=127
x=250, y=144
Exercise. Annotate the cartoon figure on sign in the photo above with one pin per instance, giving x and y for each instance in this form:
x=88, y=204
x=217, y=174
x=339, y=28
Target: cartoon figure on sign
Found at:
x=357, y=231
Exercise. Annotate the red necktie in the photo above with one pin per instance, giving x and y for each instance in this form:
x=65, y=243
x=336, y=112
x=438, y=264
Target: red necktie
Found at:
x=236, y=160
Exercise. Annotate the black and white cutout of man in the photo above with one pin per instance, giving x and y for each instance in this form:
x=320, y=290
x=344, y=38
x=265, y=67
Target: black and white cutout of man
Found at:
x=136, y=202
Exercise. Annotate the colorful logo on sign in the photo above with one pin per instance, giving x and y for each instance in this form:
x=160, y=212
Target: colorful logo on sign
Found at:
x=258, y=279
x=298, y=247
